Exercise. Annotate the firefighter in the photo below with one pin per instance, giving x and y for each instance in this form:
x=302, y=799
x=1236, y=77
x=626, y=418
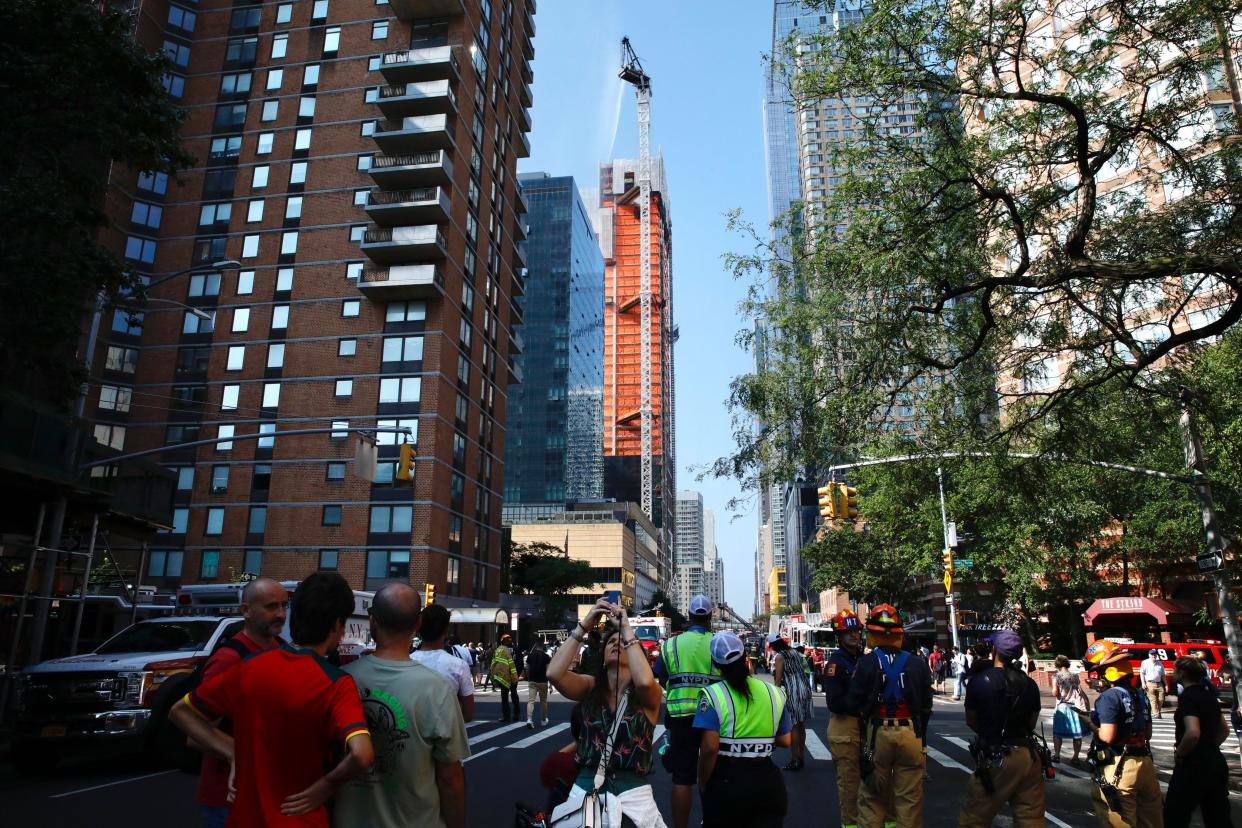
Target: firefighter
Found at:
x=1002, y=707
x=844, y=739
x=891, y=692
x=1127, y=792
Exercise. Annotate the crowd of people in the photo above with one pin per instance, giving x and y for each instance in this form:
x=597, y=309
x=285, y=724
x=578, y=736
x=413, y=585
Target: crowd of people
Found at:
x=285, y=734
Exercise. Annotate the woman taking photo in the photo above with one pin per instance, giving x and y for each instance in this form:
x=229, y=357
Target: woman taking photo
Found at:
x=742, y=719
x=620, y=706
x=1066, y=723
x=789, y=671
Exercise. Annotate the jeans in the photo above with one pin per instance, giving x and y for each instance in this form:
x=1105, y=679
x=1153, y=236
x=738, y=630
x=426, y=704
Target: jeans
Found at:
x=959, y=685
x=215, y=817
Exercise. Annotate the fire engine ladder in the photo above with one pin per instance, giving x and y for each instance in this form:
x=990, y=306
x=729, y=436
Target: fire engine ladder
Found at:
x=725, y=609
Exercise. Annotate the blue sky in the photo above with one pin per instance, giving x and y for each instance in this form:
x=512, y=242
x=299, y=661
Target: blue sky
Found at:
x=705, y=60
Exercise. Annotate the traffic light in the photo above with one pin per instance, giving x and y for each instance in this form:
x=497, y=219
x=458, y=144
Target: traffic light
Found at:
x=948, y=560
x=847, y=507
x=431, y=595
x=828, y=502
x=405, y=468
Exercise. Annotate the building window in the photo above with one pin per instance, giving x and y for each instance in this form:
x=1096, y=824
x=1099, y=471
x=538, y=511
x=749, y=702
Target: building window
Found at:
x=180, y=521
x=245, y=282
x=259, y=181
x=226, y=147
x=174, y=85
x=210, y=563
x=364, y=162
x=403, y=349
x=225, y=430
x=306, y=107
x=178, y=54
x=386, y=566
x=148, y=215
x=266, y=140
x=454, y=571
x=271, y=394
x=165, y=563
x=284, y=276
x=271, y=110
x=236, y=358
x=241, y=50
x=204, y=284
x=288, y=244
x=340, y=430
x=268, y=435
x=327, y=558
x=236, y=84
x=280, y=317
x=258, y=520
x=254, y=212
x=310, y=75
x=219, y=479
x=302, y=139
x=262, y=478
x=241, y=319
x=360, y=197
x=195, y=324
x=215, y=214
x=215, y=521
x=229, y=397
x=344, y=388
x=405, y=312
x=284, y=12
x=331, y=40
x=276, y=355
x=319, y=11
x=346, y=347
x=368, y=128
x=357, y=233
x=351, y=307
x=297, y=173
x=353, y=270
x=140, y=250
x=181, y=18
x=280, y=46
x=335, y=471
x=379, y=30
x=124, y=360
x=391, y=519
x=115, y=398
x=331, y=516
x=275, y=77
x=252, y=561
x=400, y=389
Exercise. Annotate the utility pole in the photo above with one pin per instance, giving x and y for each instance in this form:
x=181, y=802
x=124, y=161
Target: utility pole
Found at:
x=944, y=524
x=1214, y=559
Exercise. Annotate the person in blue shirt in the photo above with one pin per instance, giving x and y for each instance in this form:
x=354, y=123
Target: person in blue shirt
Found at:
x=741, y=720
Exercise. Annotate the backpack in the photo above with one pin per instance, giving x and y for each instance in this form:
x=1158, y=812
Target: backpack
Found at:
x=179, y=685
x=892, y=680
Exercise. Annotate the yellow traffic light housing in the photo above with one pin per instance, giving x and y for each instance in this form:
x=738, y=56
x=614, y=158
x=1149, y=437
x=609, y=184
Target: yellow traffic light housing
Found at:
x=431, y=595
x=948, y=560
x=847, y=508
x=828, y=502
x=405, y=467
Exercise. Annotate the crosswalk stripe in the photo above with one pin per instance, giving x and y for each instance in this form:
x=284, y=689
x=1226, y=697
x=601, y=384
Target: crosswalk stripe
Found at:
x=474, y=756
x=483, y=737
x=946, y=761
x=546, y=733
x=475, y=723
x=816, y=748
x=657, y=733
x=1073, y=773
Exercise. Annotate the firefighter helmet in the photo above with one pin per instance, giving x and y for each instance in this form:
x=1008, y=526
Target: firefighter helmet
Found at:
x=1109, y=659
x=885, y=619
x=846, y=620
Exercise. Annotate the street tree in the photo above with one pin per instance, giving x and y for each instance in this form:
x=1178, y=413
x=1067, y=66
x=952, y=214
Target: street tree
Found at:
x=1038, y=199
x=544, y=570
x=83, y=102
x=660, y=601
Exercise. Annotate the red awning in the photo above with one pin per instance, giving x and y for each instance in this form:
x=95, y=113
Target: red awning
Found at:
x=1159, y=610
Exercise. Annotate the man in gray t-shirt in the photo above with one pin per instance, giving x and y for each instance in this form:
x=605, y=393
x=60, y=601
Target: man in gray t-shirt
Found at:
x=416, y=727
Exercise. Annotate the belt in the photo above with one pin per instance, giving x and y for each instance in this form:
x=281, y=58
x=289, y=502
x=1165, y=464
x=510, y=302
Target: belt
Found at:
x=893, y=722
x=1136, y=750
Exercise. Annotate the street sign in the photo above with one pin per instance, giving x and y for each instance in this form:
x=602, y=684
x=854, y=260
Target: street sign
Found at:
x=1208, y=562
x=963, y=562
x=365, y=457
x=948, y=599
x=948, y=582
x=950, y=534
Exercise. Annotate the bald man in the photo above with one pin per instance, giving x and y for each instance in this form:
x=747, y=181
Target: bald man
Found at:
x=417, y=728
x=264, y=605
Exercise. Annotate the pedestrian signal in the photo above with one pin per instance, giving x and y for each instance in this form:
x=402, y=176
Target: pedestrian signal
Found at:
x=828, y=502
x=431, y=595
x=405, y=467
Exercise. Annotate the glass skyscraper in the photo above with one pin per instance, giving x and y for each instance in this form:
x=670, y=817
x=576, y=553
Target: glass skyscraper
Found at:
x=555, y=439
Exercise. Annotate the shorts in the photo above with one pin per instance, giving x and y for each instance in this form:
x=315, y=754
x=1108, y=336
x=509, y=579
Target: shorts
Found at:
x=681, y=759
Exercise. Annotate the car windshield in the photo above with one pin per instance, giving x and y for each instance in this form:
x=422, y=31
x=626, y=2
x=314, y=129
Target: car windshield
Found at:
x=161, y=637
x=649, y=633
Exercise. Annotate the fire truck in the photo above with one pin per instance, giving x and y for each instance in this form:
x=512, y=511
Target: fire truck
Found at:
x=651, y=630
x=810, y=631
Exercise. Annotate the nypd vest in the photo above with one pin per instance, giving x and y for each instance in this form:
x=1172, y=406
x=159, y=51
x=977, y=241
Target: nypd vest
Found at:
x=688, y=660
x=747, y=727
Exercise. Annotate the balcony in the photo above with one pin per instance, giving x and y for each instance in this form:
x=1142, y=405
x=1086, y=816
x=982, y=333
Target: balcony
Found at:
x=519, y=282
x=417, y=134
x=520, y=204
x=522, y=145
x=389, y=208
x=528, y=48
x=414, y=65
x=515, y=372
x=422, y=98
x=516, y=343
x=402, y=245
x=530, y=22
x=520, y=229
x=400, y=282
x=528, y=74
x=519, y=256
x=526, y=97
x=420, y=169
x=408, y=10
x=517, y=314
x=524, y=119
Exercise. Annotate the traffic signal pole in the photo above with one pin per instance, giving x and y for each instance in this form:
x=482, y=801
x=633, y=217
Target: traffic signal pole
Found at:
x=948, y=554
x=1215, y=557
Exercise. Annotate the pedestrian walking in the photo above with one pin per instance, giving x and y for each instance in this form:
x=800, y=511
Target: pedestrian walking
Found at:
x=445, y=660
x=742, y=720
x=1127, y=792
x=790, y=672
x=1002, y=708
x=263, y=606
x=416, y=723
x=844, y=732
x=1152, y=674
x=961, y=666
x=685, y=667
x=620, y=708
x=537, y=685
x=504, y=675
x=1070, y=699
x=935, y=663
x=891, y=692
x=1200, y=773
x=292, y=711
x=488, y=653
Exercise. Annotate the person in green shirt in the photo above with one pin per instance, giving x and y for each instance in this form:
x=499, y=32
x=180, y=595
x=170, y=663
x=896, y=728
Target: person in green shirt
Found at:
x=416, y=725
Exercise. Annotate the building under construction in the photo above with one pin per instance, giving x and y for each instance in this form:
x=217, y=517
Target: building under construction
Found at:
x=619, y=227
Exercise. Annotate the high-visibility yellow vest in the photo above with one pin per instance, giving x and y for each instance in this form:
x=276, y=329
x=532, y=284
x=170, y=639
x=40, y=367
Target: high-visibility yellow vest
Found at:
x=688, y=660
x=747, y=727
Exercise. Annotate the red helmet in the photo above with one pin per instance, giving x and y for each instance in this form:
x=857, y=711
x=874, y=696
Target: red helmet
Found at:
x=885, y=619
x=846, y=620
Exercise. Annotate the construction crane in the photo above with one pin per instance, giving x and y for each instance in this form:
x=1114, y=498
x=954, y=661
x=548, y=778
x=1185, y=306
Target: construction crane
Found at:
x=633, y=74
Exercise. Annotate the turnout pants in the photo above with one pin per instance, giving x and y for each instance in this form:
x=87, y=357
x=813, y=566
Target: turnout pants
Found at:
x=897, y=778
x=845, y=742
x=537, y=689
x=1019, y=781
x=1202, y=781
x=506, y=694
x=1141, y=806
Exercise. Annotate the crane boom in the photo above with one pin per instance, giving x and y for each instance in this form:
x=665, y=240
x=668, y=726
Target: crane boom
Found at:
x=633, y=74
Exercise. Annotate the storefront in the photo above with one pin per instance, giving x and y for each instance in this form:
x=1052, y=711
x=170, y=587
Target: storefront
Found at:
x=1152, y=620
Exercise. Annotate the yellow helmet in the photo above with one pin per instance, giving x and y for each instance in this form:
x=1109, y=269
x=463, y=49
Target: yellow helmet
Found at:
x=1109, y=659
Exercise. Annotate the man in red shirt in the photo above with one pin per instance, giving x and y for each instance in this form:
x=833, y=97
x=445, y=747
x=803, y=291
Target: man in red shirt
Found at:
x=291, y=709
x=263, y=605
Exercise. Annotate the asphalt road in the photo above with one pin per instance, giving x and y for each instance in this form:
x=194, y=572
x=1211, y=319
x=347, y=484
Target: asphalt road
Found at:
x=502, y=770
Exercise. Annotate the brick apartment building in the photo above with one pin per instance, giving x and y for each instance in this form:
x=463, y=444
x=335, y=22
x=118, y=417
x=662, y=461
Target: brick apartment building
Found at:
x=356, y=177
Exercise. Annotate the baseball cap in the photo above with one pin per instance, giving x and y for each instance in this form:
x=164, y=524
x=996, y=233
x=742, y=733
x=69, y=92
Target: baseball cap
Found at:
x=1008, y=643
x=726, y=647
x=773, y=638
x=701, y=605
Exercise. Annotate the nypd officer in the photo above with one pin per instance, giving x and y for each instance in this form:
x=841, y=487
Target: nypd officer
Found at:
x=844, y=739
x=742, y=719
x=1002, y=707
x=685, y=667
x=1127, y=793
x=892, y=694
